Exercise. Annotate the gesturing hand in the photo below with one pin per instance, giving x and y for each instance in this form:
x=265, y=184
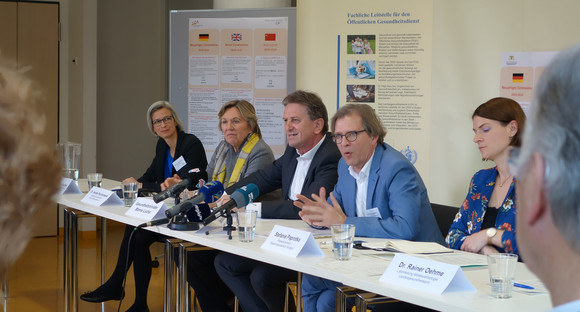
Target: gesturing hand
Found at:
x=318, y=212
x=169, y=182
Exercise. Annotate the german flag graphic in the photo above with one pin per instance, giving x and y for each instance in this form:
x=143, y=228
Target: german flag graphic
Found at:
x=203, y=37
x=518, y=77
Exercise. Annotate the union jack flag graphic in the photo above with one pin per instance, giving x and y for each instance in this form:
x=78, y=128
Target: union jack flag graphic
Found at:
x=236, y=37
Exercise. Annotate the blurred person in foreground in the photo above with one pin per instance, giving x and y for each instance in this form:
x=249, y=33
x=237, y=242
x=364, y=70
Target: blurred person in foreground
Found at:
x=485, y=223
x=548, y=182
x=27, y=165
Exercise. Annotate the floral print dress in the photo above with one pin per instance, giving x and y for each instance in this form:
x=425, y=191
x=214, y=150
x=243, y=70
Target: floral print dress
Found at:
x=470, y=216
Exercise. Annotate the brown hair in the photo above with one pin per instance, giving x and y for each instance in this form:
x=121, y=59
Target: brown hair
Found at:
x=371, y=122
x=504, y=110
x=313, y=103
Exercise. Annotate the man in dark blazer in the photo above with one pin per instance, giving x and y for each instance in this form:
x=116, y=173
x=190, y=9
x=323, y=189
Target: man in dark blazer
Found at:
x=309, y=163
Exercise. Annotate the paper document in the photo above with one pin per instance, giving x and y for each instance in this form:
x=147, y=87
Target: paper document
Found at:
x=406, y=246
x=460, y=258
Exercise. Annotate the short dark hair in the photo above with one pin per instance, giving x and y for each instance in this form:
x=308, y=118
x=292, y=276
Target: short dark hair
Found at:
x=313, y=103
x=504, y=110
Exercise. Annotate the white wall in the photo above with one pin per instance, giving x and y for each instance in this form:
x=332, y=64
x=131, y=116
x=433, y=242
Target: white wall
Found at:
x=468, y=39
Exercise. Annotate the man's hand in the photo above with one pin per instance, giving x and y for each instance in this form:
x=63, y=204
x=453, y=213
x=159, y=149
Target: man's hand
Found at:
x=319, y=212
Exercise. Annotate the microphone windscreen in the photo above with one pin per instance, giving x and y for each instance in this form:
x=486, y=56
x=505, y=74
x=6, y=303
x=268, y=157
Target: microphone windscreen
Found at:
x=198, y=213
x=245, y=195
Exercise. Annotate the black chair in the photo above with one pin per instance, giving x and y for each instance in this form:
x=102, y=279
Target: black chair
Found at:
x=444, y=216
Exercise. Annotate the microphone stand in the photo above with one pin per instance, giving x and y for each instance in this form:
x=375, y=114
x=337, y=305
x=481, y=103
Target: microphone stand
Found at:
x=180, y=221
x=229, y=228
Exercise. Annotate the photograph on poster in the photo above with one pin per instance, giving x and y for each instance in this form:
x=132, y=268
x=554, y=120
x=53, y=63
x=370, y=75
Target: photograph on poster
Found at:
x=359, y=69
x=360, y=93
x=360, y=44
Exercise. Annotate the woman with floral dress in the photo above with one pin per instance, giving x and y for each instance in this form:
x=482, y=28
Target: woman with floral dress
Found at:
x=485, y=222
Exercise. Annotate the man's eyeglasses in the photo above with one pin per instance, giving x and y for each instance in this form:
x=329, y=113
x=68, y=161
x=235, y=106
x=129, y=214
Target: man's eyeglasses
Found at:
x=350, y=136
x=165, y=120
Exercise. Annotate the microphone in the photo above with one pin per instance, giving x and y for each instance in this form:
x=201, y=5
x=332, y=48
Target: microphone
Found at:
x=153, y=222
x=208, y=193
x=174, y=189
x=198, y=213
x=239, y=198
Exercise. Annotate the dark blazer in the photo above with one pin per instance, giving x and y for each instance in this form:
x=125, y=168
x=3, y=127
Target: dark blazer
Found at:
x=188, y=146
x=322, y=172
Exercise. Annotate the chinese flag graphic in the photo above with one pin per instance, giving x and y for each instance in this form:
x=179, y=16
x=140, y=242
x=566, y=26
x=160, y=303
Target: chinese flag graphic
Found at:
x=270, y=37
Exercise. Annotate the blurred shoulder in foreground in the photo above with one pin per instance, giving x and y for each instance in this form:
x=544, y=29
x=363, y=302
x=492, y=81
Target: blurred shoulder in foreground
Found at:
x=29, y=170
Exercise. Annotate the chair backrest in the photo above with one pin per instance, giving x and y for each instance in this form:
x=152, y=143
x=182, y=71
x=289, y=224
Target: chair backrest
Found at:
x=444, y=216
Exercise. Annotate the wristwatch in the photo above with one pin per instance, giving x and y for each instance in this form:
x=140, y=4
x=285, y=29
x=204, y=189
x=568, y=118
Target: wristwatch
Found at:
x=490, y=234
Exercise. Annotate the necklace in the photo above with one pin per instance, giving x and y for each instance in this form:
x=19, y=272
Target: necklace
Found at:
x=501, y=184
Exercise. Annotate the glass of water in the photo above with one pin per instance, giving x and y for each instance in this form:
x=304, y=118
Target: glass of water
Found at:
x=342, y=238
x=94, y=179
x=502, y=271
x=130, y=192
x=246, y=225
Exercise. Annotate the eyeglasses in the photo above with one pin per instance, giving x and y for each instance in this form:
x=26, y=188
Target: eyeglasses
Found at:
x=350, y=136
x=166, y=120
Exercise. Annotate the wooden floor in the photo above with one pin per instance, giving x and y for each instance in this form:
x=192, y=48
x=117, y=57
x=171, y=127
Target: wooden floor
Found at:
x=35, y=281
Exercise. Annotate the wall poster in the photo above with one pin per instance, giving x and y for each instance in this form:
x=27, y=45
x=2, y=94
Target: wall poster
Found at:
x=384, y=60
x=237, y=58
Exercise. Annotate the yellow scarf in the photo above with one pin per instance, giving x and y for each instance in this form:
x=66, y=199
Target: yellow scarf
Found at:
x=219, y=172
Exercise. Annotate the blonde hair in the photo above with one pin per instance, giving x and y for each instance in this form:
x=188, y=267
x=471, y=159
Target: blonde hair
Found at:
x=157, y=106
x=247, y=111
x=29, y=170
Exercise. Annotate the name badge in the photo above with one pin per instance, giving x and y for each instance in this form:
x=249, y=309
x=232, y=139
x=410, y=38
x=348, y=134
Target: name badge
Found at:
x=292, y=242
x=425, y=275
x=67, y=186
x=147, y=209
x=101, y=197
x=179, y=163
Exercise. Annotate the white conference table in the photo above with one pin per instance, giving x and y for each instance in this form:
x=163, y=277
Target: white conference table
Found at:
x=362, y=271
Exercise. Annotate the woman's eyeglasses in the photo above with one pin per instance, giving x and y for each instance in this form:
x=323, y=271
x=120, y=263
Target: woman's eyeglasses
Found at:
x=166, y=120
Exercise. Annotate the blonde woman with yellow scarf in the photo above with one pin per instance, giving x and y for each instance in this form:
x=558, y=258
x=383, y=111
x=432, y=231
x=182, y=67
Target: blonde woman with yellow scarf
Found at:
x=241, y=153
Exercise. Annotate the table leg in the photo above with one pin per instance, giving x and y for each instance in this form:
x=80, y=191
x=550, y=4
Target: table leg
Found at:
x=103, y=253
x=66, y=259
x=181, y=279
x=74, y=277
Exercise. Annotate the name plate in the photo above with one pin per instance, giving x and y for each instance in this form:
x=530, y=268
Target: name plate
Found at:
x=147, y=209
x=292, y=242
x=68, y=186
x=101, y=197
x=425, y=275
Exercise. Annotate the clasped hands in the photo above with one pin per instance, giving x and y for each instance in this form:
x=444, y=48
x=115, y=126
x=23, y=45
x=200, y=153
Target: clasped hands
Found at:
x=318, y=212
x=477, y=243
